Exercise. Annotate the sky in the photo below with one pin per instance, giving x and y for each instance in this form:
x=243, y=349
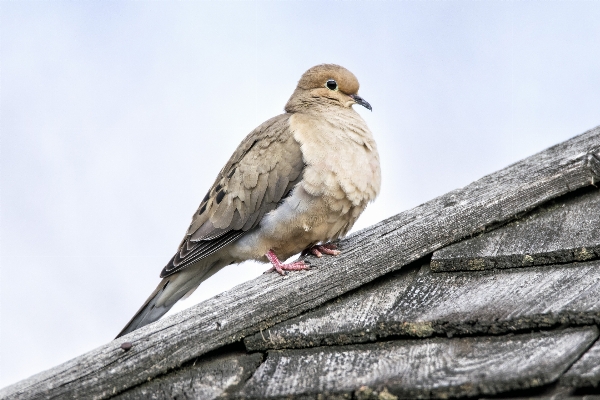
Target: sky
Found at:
x=115, y=117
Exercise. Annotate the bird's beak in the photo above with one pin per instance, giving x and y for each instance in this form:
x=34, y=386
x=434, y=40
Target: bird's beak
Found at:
x=359, y=100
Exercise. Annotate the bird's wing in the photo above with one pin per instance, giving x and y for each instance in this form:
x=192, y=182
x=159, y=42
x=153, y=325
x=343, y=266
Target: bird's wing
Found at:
x=262, y=171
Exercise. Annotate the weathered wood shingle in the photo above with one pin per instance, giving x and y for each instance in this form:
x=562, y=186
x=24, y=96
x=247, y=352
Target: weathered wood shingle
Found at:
x=203, y=380
x=493, y=302
x=559, y=232
x=450, y=303
x=421, y=368
x=351, y=318
x=586, y=371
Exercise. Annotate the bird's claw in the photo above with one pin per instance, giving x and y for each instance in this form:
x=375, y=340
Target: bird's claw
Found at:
x=320, y=249
x=282, y=268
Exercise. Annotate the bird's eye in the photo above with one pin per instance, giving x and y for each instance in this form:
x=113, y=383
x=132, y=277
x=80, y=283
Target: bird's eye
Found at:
x=331, y=84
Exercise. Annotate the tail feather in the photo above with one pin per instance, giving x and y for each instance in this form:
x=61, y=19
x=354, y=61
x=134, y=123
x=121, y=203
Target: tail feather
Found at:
x=169, y=291
x=148, y=312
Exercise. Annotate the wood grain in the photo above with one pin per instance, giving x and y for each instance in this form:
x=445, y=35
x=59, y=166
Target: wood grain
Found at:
x=427, y=368
x=204, y=380
x=366, y=255
x=497, y=301
x=448, y=303
x=562, y=231
x=586, y=371
x=351, y=318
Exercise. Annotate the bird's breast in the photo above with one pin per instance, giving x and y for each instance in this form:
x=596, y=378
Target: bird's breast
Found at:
x=340, y=154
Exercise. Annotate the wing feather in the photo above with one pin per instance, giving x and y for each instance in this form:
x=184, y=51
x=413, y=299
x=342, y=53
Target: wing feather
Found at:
x=261, y=172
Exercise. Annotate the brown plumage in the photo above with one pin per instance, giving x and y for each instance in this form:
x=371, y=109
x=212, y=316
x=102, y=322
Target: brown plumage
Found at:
x=299, y=179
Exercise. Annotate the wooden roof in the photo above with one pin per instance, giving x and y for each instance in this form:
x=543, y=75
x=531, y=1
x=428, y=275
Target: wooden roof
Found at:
x=490, y=289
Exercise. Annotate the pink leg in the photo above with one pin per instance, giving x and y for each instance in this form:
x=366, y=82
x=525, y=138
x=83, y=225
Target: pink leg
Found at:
x=327, y=248
x=280, y=267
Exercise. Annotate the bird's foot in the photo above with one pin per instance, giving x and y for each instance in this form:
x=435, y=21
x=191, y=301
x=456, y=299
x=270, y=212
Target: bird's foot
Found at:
x=320, y=249
x=281, y=267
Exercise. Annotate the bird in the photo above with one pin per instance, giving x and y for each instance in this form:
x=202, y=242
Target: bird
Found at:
x=296, y=183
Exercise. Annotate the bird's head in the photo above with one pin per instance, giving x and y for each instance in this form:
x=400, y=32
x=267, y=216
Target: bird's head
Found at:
x=326, y=85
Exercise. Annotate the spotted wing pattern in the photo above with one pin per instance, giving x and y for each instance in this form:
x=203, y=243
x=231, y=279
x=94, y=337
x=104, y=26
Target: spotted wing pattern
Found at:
x=262, y=171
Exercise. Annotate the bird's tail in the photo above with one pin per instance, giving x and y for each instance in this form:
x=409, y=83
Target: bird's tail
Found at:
x=169, y=291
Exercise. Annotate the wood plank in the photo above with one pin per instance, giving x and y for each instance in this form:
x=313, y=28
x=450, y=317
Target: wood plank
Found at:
x=366, y=255
x=204, y=380
x=351, y=318
x=561, y=231
x=430, y=368
x=449, y=303
x=497, y=301
x=586, y=371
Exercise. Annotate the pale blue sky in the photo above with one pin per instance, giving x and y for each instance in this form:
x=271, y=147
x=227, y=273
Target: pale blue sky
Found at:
x=115, y=117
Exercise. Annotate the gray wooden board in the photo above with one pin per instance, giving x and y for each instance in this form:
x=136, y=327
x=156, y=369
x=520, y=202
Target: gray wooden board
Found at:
x=351, y=318
x=497, y=301
x=586, y=371
x=438, y=367
x=558, y=232
x=204, y=380
x=448, y=303
x=366, y=255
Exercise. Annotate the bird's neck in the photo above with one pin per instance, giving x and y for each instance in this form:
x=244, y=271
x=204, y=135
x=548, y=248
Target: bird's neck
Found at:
x=343, y=123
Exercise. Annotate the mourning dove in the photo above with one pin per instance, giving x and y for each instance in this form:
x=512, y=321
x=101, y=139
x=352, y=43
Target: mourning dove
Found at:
x=297, y=182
